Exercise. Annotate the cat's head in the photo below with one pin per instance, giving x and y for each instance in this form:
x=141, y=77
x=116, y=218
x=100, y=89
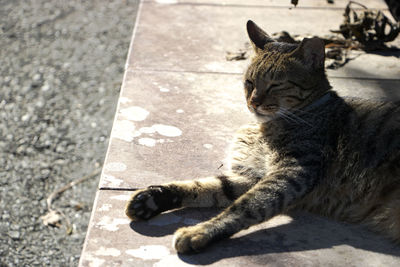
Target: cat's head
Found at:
x=283, y=76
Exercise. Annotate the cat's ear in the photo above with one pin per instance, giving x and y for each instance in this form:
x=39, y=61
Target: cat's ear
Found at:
x=311, y=52
x=257, y=36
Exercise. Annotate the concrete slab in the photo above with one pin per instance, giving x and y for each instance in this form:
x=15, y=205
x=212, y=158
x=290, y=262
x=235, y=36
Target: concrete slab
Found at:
x=197, y=37
x=294, y=240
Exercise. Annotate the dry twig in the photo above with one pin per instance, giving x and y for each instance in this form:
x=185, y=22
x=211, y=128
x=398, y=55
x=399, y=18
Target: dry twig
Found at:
x=365, y=29
x=54, y=216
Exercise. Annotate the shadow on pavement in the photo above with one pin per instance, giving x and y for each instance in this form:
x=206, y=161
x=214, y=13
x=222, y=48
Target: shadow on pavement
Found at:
x=305, y=232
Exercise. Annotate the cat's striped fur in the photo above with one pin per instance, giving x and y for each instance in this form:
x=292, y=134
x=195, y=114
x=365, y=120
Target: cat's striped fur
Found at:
x=312, y=150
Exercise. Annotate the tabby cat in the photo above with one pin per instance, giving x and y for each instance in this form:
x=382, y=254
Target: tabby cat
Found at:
x=311, y=150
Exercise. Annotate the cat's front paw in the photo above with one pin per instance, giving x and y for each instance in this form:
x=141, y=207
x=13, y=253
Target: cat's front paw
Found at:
x=192, y=239
x=147, y=203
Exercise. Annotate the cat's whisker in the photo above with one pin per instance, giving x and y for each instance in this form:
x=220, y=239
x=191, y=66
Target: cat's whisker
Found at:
x=286, y=117
x=296, y=117
x=283, y=116
x=305, y=112
x=293, y=116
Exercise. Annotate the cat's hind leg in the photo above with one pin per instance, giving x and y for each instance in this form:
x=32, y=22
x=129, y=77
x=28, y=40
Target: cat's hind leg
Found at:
x=218, y=191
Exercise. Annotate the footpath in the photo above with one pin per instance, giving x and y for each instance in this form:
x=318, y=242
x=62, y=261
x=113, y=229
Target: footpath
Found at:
x=181, y=102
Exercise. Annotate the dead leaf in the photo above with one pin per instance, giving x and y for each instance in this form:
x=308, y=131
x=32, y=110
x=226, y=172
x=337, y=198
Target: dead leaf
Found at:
x=239, y=55
x=52, y=218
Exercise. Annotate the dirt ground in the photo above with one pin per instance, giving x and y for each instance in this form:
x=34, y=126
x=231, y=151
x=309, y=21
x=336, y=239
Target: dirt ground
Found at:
x=61, y=67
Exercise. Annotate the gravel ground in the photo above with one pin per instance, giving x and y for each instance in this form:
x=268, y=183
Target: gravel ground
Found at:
x=61, y=67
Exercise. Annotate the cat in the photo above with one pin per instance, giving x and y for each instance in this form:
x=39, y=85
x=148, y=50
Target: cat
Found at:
x=310, y=150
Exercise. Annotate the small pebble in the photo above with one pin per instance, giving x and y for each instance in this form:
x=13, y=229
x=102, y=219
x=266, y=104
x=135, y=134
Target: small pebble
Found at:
x=14, y=234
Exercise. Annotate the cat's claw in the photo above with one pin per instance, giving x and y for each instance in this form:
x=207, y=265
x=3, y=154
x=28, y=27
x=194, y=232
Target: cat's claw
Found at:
x=191, y=239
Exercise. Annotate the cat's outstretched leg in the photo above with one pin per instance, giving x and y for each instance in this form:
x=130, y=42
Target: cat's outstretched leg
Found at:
x=219, y=191
x=266, y=199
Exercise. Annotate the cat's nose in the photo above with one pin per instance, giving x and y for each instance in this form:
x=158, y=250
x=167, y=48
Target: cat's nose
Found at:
x=254, y=103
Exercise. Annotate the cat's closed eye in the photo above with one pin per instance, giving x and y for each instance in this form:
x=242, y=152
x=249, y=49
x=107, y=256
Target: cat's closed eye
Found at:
x=280, y=88
x=248, y=84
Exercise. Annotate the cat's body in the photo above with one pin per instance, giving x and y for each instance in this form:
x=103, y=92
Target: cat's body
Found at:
x=312, y=150
x=358, y=177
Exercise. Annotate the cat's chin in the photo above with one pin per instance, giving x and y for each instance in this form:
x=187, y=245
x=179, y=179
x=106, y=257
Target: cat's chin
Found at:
x=264, y=118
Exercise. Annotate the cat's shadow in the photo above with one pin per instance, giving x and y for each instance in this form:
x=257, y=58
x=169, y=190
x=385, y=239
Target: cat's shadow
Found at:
x=304, y=232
